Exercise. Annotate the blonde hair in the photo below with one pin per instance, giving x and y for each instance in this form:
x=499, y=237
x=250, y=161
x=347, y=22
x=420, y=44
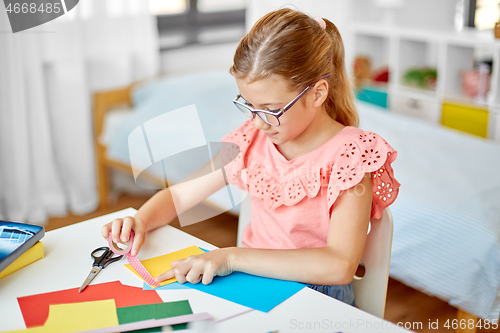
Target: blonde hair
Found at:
x=293, y=45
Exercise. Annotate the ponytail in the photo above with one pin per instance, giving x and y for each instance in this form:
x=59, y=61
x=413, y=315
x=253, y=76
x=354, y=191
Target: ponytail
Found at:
x=340, y=101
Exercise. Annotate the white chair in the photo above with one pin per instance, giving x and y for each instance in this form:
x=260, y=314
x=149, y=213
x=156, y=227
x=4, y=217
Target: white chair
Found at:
x=244, y=217
x=371, y=289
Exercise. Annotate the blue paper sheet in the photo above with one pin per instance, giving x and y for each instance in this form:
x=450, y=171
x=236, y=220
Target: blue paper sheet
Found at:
x=173, y=285
x=255, y=292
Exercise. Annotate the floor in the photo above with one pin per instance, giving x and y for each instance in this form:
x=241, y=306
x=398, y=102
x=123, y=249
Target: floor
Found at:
x=405, y=305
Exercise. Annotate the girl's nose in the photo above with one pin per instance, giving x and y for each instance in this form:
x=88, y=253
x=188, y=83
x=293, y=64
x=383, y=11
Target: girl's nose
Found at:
x=260, y=124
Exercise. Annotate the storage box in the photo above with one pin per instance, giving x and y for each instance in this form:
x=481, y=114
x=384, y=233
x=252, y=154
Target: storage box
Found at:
x=373, y=95
x=427, y=109
x=467, y=118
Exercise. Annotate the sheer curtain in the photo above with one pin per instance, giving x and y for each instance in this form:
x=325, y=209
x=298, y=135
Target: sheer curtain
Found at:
x=47, y=76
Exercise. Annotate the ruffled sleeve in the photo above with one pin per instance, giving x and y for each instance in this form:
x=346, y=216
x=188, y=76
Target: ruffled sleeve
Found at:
x=233, y=155
x=365, y=152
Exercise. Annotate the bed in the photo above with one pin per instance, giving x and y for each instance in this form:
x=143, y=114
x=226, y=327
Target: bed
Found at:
x=446, y=219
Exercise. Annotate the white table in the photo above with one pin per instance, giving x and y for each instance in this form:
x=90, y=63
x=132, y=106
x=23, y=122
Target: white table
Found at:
x=67, y=263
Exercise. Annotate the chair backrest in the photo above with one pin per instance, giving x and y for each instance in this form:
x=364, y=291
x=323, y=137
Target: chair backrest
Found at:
x=371, y=290
x=244, y=217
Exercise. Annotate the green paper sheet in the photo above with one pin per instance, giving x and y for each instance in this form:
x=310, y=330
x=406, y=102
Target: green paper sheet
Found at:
x=132, y=314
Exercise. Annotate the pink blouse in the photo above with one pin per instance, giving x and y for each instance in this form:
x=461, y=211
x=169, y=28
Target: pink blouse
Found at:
x=292, y=200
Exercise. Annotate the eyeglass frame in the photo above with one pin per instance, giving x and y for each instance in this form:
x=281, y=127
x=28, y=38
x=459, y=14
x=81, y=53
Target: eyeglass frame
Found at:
x=281, y=111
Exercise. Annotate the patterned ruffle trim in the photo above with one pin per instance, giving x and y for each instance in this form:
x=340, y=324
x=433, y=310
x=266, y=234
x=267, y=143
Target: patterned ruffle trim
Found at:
x=367, y=152
x=262, y=185
x=238, y=140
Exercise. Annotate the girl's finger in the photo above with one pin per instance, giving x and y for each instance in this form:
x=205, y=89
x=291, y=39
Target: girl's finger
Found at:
x=116, y=229
x=195, y=274
x=165, y=276
x=209, y=274
x=106, y=229
x=128, y=223
x=181, y=270
x=176, y=262
x=139, y=237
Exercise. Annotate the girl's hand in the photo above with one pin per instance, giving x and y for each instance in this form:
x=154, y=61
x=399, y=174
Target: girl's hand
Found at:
x=201, y=267
x=120, y=231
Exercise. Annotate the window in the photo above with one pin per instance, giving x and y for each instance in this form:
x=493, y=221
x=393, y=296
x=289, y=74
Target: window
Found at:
x=487, y=13
x=161, y=7
x=220, y=5
x=186, y=22
x=483, y=14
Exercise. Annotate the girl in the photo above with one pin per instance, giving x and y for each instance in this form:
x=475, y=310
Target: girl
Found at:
x=315, y=179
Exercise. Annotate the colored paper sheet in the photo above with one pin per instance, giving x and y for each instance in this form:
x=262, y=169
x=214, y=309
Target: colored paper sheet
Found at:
x=161, y=264
x=35, y=308
x=78, y=317
x=139, y=325
x=255, y=292
x=154, y=311
x=171, y=286
x=249, y=290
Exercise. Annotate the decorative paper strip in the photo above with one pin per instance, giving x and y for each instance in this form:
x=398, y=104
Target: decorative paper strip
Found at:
x=139, y=268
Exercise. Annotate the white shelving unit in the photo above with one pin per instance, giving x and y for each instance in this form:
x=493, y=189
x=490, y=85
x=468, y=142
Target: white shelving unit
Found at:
x=405, y=34
x=449, y=52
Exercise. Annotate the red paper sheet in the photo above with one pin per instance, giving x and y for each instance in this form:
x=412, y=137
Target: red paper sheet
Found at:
x=35, y=308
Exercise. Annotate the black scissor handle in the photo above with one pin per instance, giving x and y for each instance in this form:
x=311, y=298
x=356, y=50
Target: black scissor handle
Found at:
x=105, y=258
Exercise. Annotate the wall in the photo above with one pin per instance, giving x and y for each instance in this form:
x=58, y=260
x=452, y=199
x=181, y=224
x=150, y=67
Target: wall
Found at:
x=337, y=11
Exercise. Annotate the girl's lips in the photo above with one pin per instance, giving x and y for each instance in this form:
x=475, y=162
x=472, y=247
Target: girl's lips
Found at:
x=271, y=134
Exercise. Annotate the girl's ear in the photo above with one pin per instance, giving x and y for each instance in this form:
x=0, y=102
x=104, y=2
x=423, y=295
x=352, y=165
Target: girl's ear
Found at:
x=320, y=92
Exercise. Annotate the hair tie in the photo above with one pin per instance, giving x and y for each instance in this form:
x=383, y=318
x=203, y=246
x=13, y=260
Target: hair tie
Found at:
x=321, y=22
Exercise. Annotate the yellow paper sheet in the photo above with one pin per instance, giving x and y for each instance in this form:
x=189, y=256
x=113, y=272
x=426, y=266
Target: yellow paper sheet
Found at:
x=161, y=264
x=77, y=317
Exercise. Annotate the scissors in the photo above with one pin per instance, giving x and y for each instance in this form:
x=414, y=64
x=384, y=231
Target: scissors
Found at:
x=103, y=256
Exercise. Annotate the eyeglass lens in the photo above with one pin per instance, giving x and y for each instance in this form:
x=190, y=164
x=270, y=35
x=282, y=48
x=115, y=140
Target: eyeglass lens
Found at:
x=268, y=118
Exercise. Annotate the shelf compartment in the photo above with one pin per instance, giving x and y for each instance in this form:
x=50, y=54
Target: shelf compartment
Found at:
x=374, y=47
x=415, y=53
x=460, y=58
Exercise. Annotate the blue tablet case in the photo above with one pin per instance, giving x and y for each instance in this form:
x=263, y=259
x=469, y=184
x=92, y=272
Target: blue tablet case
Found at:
x=15, y=239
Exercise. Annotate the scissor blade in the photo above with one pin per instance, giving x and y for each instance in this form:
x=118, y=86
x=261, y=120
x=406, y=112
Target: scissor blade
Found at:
x=95, y=270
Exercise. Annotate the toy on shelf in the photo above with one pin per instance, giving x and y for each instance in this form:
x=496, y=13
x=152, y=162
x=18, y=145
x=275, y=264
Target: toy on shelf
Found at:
x=363, y=73
x=381, y=75
x=476, y=83
x=421, y=78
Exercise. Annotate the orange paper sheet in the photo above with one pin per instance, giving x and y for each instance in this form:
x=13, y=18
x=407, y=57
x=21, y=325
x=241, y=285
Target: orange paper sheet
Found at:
x=35, y=308
x=77, y=317
x=161, y=264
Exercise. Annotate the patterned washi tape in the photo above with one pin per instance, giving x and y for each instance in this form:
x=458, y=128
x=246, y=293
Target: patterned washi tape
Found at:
x=139, y=268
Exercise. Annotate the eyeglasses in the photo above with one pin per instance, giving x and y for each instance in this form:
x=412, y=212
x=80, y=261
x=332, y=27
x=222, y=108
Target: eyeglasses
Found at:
x=270, y=116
